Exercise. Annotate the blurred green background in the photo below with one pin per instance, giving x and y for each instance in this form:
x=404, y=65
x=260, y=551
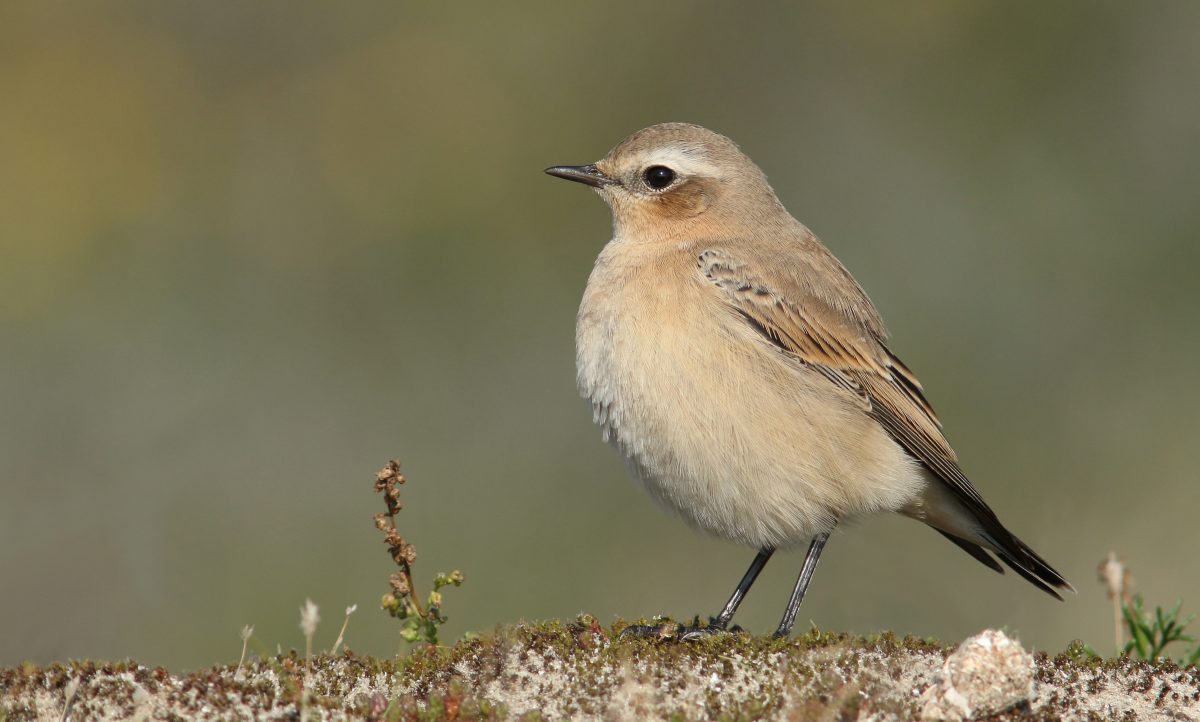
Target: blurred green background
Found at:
x=250, y=251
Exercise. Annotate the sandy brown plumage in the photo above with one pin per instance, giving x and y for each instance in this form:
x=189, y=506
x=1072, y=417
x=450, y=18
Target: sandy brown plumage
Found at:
x=849, y=351
x=742, y=371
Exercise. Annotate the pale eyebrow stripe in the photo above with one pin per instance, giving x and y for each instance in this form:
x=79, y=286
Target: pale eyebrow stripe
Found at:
x=681, y=160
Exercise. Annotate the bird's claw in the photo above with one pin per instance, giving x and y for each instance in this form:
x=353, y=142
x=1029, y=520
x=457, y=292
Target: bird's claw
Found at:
x=673, y=630
x=665, y=630
x=690, y=634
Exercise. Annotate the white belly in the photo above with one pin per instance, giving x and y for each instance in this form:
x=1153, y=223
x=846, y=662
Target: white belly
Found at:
x=719, y=425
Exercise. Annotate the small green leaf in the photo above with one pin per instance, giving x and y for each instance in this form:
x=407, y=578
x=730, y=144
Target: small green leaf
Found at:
x=410, y=633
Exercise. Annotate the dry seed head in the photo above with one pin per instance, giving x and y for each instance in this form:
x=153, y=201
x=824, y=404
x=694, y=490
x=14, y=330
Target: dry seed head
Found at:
x=309, y=618
x=402, y=552
x=389, y=474
x=1115, y=576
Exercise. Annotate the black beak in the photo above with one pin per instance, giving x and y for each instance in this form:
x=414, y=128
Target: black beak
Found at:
x=586, y=174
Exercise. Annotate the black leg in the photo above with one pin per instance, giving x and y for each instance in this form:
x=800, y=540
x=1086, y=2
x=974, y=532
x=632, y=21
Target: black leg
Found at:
x=806, y=573
x=718, y=623
x=722, y=620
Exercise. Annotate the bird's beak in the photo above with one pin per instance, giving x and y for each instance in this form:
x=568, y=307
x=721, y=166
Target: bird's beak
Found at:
x=586, y=174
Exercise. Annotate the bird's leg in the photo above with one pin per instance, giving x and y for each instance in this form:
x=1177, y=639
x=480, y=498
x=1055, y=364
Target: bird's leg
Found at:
x=717, y=624
x=806, y=573
x=722, y=620
x=720, y=623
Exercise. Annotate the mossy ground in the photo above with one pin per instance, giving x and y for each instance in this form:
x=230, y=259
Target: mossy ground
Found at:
x=581, y=670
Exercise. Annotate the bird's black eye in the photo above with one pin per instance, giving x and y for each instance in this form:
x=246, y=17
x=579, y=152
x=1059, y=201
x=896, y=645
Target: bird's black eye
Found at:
x=659, y=177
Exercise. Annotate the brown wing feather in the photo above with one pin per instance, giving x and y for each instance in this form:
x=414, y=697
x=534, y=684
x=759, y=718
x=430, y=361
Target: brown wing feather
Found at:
x=852, y=355
x=847, y=353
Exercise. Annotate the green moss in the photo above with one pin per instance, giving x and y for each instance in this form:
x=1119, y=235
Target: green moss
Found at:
x=816, y=674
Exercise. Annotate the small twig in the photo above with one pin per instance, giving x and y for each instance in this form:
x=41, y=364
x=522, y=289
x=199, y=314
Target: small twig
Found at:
x=69, y=694
x=1116, y=578
x=247, y=633
x=345, y=623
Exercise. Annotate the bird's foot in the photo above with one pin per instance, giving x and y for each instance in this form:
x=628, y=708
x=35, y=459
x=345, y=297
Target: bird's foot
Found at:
x=693, y=633
x=665, y=630
x=668, y=629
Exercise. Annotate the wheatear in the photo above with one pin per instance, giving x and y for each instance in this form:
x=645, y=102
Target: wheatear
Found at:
x=743, y=373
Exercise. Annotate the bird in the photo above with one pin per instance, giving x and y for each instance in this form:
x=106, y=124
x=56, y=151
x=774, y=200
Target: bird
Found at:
x=744, y=375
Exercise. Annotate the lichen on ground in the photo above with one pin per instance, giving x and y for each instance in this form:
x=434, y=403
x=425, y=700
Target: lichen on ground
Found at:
x=582, y=670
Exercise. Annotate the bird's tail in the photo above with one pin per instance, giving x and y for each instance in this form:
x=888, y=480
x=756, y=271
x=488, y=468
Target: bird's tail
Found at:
x=978, y=533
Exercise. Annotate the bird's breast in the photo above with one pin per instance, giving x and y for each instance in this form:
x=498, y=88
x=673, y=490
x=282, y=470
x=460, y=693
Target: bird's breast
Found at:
x=634, y=326
x=717, y=423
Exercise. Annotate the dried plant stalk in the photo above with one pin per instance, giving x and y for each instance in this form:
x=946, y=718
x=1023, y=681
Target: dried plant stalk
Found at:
x=421, y=621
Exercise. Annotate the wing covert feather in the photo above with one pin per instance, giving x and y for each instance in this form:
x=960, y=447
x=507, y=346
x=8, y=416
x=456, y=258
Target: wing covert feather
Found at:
x=834, y=330
x=848, y=351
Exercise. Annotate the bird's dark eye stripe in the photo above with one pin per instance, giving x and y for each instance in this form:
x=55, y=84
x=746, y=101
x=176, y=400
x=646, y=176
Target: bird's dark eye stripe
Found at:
x=659, y=177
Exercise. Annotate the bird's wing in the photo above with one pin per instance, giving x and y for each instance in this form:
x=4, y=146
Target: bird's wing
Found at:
x=834, y=331
x=848, y=351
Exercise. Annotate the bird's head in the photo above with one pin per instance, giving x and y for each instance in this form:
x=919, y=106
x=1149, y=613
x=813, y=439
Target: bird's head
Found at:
x=670, y=178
